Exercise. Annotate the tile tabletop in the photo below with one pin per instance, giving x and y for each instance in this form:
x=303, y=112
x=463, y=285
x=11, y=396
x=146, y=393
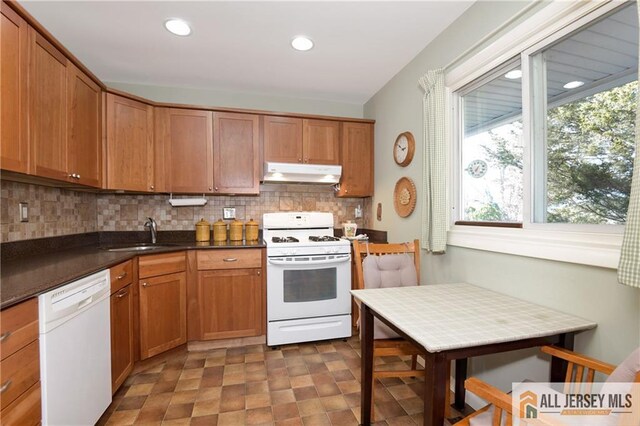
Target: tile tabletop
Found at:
x=452, y=316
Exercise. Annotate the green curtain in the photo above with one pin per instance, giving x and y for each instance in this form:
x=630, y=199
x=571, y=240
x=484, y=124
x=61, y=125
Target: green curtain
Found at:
x=629, y=267
x=434, y=204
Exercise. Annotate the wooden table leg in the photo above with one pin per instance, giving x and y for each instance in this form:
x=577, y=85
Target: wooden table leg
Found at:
x=435, y=382
x=461, y=376
x=559, y=366
x=366, y=347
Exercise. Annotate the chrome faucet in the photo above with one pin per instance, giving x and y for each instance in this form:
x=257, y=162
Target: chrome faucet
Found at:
x=153, y=228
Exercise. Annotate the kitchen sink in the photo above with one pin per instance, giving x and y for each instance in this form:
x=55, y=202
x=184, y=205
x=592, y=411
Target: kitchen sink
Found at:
x=139, y=247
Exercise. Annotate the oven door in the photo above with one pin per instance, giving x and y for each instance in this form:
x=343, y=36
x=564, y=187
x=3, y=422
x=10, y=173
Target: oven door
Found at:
x=308, y=286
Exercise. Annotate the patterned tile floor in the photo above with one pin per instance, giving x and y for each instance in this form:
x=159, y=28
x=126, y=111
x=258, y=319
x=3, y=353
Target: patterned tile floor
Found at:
x=305, y=384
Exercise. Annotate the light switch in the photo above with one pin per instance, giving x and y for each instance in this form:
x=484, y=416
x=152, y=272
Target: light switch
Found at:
x=24, y=212
x=228, y=212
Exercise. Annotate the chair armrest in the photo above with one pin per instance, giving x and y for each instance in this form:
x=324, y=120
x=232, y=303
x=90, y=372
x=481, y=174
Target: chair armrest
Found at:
x=579, y=359
x=489, y=393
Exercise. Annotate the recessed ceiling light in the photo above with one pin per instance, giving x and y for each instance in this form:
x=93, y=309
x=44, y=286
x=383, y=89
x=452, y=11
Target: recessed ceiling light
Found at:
x=302, y=43
x=177, y=27
x=573, y=84
x=513, y=74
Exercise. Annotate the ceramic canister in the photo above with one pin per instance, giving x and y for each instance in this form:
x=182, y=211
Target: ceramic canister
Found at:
x=235, y=230
x=203, y=230
x=251, y=230
x=220, y=230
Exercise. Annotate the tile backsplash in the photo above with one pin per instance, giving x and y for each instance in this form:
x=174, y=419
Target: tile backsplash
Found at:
x=54, y=211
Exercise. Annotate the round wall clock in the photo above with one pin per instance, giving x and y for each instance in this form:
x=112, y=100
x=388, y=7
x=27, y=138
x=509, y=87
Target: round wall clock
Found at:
x=404, y=197
x=477, y=168
x=404, y=148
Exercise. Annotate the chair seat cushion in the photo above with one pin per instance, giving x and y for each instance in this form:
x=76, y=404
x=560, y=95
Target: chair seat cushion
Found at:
x=391, y=270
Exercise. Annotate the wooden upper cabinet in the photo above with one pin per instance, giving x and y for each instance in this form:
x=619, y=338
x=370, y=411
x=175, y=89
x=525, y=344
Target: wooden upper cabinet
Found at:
x=186, y=138
x=14, y=142
x=84, y=147
x=48, y=117
x=236, y=153
x=282, y=139
x=320, y=141
x=357, y=160
x=296, y=140
x=130, y=147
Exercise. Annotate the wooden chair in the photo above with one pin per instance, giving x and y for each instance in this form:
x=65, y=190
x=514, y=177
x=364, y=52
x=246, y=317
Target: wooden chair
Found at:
x=581, y=371
x=394, y=346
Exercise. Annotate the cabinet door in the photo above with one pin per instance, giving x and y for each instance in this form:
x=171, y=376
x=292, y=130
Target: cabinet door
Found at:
x=48, y=103
x=14, y=145
x=121, y=336
x=163, y=313
x=357, y=160
x=84, y=148
x=321, y=141
x=188, y=149
x=230, y=303
x=130, y=152
x=236, y=153
x=282, y=139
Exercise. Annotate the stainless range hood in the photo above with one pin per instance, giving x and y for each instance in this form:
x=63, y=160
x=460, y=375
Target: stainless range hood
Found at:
x=301, y=173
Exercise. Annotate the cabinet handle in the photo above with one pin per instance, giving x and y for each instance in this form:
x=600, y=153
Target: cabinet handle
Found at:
x=230, y=259
x=5, y=386
x=123, y=293
x=144, y=284
x=121, y=276
x=5, y=336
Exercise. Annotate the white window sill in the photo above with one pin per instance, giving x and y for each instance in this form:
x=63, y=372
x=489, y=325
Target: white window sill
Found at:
x=595, y=249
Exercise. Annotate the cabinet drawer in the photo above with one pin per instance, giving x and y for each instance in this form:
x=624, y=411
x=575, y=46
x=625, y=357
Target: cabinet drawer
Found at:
x=18, y=373
x=121, y=275
x=24, y=411
x=229, y=259
x=18, y=326
x=161, y=264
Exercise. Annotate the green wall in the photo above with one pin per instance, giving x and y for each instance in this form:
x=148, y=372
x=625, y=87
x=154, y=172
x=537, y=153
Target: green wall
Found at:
x=218, y=98
x=585, y=291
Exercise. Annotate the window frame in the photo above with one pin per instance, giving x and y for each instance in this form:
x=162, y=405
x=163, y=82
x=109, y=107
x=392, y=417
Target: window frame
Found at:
x=597, y=245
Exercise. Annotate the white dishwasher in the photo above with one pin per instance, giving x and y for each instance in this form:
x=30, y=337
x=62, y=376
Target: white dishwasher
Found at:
x=75, y=351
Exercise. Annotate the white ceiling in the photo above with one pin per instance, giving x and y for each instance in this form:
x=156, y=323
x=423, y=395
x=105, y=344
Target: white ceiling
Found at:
x=245, y=46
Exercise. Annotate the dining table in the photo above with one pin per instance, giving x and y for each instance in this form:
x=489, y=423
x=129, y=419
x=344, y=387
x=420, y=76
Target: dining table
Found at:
x=454, y=322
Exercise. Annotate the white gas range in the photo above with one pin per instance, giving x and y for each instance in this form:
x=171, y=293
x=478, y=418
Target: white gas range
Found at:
x=308, y=278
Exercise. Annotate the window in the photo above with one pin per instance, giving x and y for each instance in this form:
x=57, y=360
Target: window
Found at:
x=546, y=139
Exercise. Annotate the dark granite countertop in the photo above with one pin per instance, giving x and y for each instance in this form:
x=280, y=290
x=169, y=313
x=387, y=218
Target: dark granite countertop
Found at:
x=28, y=270
x=32, y=267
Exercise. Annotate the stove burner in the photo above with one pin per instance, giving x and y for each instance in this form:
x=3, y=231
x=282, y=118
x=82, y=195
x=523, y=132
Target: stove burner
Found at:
x=284, y=240
x=323, y=238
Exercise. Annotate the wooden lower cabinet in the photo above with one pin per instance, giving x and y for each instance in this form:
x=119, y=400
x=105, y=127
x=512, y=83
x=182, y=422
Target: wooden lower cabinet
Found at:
x=121, y=336
x=20, y=365
x=230, y=303
x=163, y=313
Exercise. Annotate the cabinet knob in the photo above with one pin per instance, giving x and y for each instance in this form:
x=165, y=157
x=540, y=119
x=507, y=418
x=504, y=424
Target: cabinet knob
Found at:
x=299, y=160
x=78, y=176
x=121, y=276
x=4, y=336
x=216, y=188
x=152, y=187
x=5, y=386
x=144, y=284
x=258, y=272
x=210, y=189
x=306, y=160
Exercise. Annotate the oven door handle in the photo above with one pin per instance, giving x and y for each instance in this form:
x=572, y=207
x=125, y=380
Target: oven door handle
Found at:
x=341, y=259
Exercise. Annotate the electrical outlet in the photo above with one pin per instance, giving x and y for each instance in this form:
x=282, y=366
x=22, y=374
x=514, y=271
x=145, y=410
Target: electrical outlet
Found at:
x=358, y=212
x=228, y=212
x=24, y=212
